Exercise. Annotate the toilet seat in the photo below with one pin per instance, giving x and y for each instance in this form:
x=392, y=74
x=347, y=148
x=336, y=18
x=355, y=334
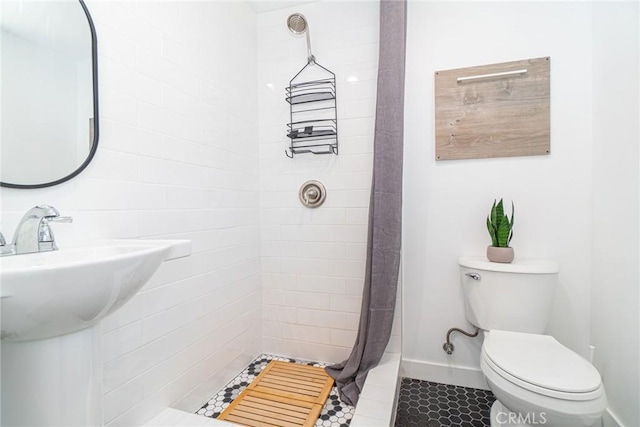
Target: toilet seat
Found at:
x=542, y=365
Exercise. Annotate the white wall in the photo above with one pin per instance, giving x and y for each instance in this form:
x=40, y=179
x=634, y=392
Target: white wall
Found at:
x=446, y=202
x=313, y=260
x=615, y=322
x=177, y=159
x=578, y=206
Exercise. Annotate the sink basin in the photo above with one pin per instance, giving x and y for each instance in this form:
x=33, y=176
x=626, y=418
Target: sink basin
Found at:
x=48, y=294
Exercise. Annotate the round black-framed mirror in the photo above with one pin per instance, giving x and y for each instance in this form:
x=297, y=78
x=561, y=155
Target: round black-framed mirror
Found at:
x=51, y=45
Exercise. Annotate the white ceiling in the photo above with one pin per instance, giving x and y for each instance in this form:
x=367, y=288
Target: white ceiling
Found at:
x=260, y=6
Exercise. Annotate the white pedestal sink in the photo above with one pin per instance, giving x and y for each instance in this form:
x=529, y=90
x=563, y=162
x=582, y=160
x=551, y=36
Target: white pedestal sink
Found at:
x=50, y=303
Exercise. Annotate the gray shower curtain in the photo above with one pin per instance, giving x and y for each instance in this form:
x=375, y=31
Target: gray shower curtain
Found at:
x=385, y=210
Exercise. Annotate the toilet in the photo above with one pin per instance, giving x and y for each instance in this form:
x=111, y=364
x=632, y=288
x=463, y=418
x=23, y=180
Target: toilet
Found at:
x=536, y=380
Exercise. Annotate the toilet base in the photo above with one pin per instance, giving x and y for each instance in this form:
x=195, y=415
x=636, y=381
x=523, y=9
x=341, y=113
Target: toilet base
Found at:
x=501, y=416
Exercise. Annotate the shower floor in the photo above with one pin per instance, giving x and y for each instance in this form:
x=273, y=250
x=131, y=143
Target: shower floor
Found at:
x=335, y=413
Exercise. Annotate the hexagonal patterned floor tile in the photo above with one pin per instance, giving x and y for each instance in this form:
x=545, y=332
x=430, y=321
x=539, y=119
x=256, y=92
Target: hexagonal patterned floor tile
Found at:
x=428, y=404
x=421, y=404
x=335, y=413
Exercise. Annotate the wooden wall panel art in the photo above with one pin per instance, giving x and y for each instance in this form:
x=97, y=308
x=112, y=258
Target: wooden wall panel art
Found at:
x=497, y=110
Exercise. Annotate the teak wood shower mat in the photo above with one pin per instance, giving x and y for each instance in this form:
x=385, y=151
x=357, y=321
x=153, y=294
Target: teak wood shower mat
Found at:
x=284, y=395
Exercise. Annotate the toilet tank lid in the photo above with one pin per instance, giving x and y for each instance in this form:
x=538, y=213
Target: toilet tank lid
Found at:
x=528, y=266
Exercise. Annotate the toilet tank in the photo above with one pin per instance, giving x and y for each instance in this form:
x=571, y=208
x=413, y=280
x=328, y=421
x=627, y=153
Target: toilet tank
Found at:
x=511, y=297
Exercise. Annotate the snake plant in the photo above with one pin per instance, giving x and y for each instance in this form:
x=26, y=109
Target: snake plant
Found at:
x=499, y=226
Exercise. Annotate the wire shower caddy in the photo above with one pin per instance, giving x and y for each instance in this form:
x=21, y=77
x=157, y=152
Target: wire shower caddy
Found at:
x=313, y=126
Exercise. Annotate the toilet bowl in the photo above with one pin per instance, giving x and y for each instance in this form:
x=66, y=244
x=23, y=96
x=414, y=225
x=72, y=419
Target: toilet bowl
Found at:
x=536, y=380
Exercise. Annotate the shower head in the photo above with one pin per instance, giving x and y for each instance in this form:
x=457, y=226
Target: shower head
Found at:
x=298, y=24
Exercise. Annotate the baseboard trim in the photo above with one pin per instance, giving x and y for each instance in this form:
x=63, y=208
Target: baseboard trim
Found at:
x=446, y=374
x=609, y=419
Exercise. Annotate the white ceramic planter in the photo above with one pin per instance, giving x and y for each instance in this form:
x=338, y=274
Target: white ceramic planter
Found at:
x=504, y=255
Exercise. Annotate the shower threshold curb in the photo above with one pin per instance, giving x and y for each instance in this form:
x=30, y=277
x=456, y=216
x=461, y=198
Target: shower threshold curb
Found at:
x=378, y=400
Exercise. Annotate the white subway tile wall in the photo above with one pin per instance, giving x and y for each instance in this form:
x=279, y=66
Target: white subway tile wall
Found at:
x=178, y=158
x=313, y=259
x=192, y=139
x=187, y=94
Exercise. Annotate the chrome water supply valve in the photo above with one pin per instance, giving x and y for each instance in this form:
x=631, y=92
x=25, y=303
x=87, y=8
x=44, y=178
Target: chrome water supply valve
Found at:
x=448, y=346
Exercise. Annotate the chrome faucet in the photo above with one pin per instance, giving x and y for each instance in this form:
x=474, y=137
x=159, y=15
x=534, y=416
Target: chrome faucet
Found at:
x=33, y=233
